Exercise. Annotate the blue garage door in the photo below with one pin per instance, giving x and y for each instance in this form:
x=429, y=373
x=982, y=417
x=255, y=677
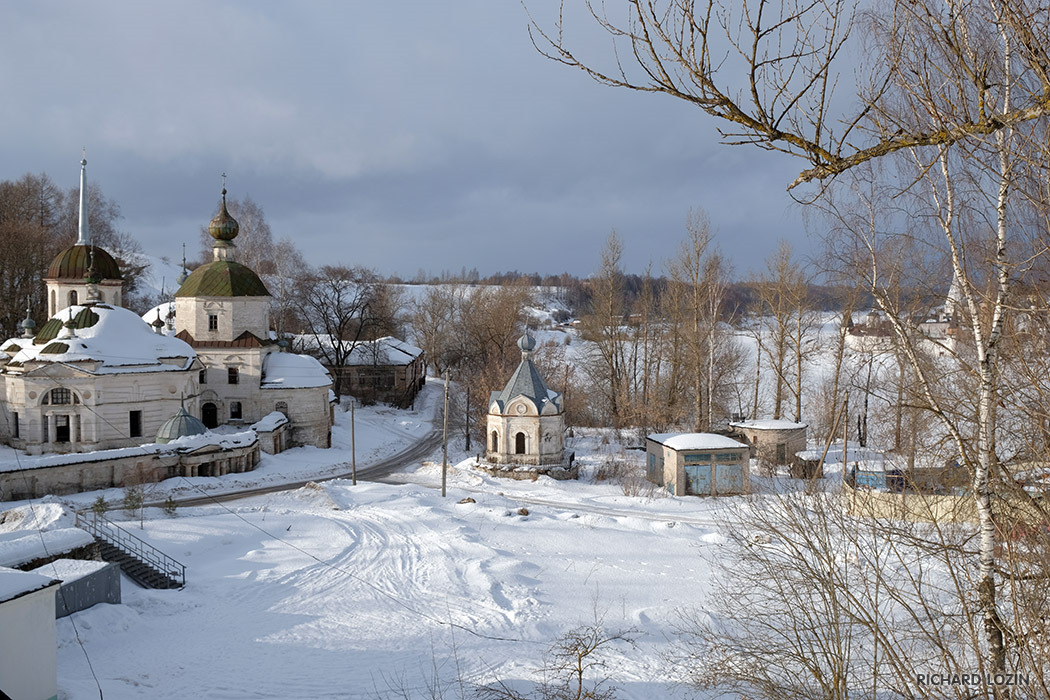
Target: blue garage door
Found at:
x=698, y=479
x=729, y=478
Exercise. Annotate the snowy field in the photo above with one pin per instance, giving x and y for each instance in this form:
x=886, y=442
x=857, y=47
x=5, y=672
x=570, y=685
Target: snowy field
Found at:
x=384, y=590
x=389, y=590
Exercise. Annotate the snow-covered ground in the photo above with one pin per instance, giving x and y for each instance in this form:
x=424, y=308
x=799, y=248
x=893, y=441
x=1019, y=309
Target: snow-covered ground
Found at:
x=380, y=590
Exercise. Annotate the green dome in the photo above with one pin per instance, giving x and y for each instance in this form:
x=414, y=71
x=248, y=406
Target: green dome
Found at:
x=223, y=227
x=223, y=278
x=73, y=263
x=182, y=424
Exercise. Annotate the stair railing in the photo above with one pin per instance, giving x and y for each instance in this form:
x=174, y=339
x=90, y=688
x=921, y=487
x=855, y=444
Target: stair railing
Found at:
x=102, y=528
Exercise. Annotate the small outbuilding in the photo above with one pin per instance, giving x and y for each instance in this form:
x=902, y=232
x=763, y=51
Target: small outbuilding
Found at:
x=698, y=464
x=773, y=441
x=28, y=647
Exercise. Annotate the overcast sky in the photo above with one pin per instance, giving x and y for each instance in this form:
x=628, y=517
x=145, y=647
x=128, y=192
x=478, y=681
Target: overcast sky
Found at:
x=396, y=135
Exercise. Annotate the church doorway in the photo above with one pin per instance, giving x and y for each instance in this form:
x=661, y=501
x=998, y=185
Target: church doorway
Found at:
x=209, y=415
x=61, y=428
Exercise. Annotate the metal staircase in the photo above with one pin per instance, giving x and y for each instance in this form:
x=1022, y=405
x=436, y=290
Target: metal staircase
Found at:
x=142, y=562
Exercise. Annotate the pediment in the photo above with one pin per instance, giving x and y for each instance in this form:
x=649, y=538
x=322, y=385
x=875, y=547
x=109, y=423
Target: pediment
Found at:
x=521, y=406
x=61, y=369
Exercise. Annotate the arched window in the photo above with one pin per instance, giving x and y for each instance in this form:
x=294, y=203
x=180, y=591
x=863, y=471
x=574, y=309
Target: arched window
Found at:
x=53, y=309
x=495, y=441
x=72, y=297
x=519, y=444
x=60, y=397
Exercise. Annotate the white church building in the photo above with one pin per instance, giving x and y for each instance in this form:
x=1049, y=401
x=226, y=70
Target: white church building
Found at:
x=97, y=377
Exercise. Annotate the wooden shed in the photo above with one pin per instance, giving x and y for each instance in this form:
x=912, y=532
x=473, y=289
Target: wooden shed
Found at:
x=698, y=464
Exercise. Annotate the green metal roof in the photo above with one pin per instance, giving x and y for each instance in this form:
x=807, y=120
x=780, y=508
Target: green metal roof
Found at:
x=72, y=263
x=55, y=348
x=85, y=318
x=223, y=278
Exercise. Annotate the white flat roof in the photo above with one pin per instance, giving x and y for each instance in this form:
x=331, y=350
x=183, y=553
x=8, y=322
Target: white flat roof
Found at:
x=695, y=441
x=769, y=424
x=14, y=583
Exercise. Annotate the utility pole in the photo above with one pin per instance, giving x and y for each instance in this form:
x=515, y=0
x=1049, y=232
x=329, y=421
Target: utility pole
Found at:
x=444, y=440
x=353, y=442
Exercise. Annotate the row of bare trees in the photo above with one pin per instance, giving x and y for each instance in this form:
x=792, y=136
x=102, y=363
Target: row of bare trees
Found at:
x=672, y=357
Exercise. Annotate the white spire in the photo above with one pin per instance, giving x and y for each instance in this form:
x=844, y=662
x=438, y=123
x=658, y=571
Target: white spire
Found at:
x=83, y=234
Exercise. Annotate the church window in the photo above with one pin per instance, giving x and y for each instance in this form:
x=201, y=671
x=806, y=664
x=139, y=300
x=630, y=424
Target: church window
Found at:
x=53, y=309
x=235, y=410
x=495, y=441
x=232, y=375
x=72, y=297
x=213, y=322
x=135, y=423
x=15, y=425
x=203, y=376
x=519, y=444
x=59, y=397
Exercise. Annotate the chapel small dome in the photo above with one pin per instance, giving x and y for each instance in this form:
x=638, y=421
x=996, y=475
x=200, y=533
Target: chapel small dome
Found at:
x=527, y=343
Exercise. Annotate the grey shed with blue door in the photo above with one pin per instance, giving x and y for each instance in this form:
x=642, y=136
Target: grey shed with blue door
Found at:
x=698, y=464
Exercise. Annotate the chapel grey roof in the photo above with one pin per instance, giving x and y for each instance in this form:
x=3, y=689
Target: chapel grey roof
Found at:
x=527, y=382
x=182, y=424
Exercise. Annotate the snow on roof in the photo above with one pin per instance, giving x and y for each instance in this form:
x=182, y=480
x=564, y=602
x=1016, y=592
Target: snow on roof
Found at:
x=14, y=583
x=270, y=422
x=188, y=443
x=23, y=546
x=166, y=310
x=71, y=569
x=386, y=351
x=769, y=424
x=285, y=370
x=113, y=336
x=695, y=441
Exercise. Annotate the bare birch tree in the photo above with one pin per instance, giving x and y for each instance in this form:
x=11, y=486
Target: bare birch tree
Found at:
x=605, y=327
x=958, y=82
